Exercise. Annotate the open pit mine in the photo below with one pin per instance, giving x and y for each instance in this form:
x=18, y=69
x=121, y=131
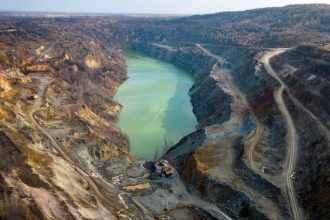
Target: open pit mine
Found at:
x=243, y=98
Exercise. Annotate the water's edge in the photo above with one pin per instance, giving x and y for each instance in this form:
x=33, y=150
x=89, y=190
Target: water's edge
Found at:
x=156, y=107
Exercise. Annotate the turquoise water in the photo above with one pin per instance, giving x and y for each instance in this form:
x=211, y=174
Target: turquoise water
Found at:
x=156, y=105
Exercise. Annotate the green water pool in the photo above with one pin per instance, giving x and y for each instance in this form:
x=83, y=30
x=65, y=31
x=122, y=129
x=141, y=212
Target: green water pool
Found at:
x=156, y=105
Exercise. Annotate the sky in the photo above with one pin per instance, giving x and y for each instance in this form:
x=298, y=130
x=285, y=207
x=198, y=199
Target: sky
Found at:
x=144, y=6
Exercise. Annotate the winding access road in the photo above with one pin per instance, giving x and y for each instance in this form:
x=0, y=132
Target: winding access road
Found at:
x=292, y=137
x=240, y=107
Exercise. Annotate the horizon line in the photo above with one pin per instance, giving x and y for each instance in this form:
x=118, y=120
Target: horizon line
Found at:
x=143, y=13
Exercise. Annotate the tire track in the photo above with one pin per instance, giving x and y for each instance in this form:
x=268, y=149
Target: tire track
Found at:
x=292, y=137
